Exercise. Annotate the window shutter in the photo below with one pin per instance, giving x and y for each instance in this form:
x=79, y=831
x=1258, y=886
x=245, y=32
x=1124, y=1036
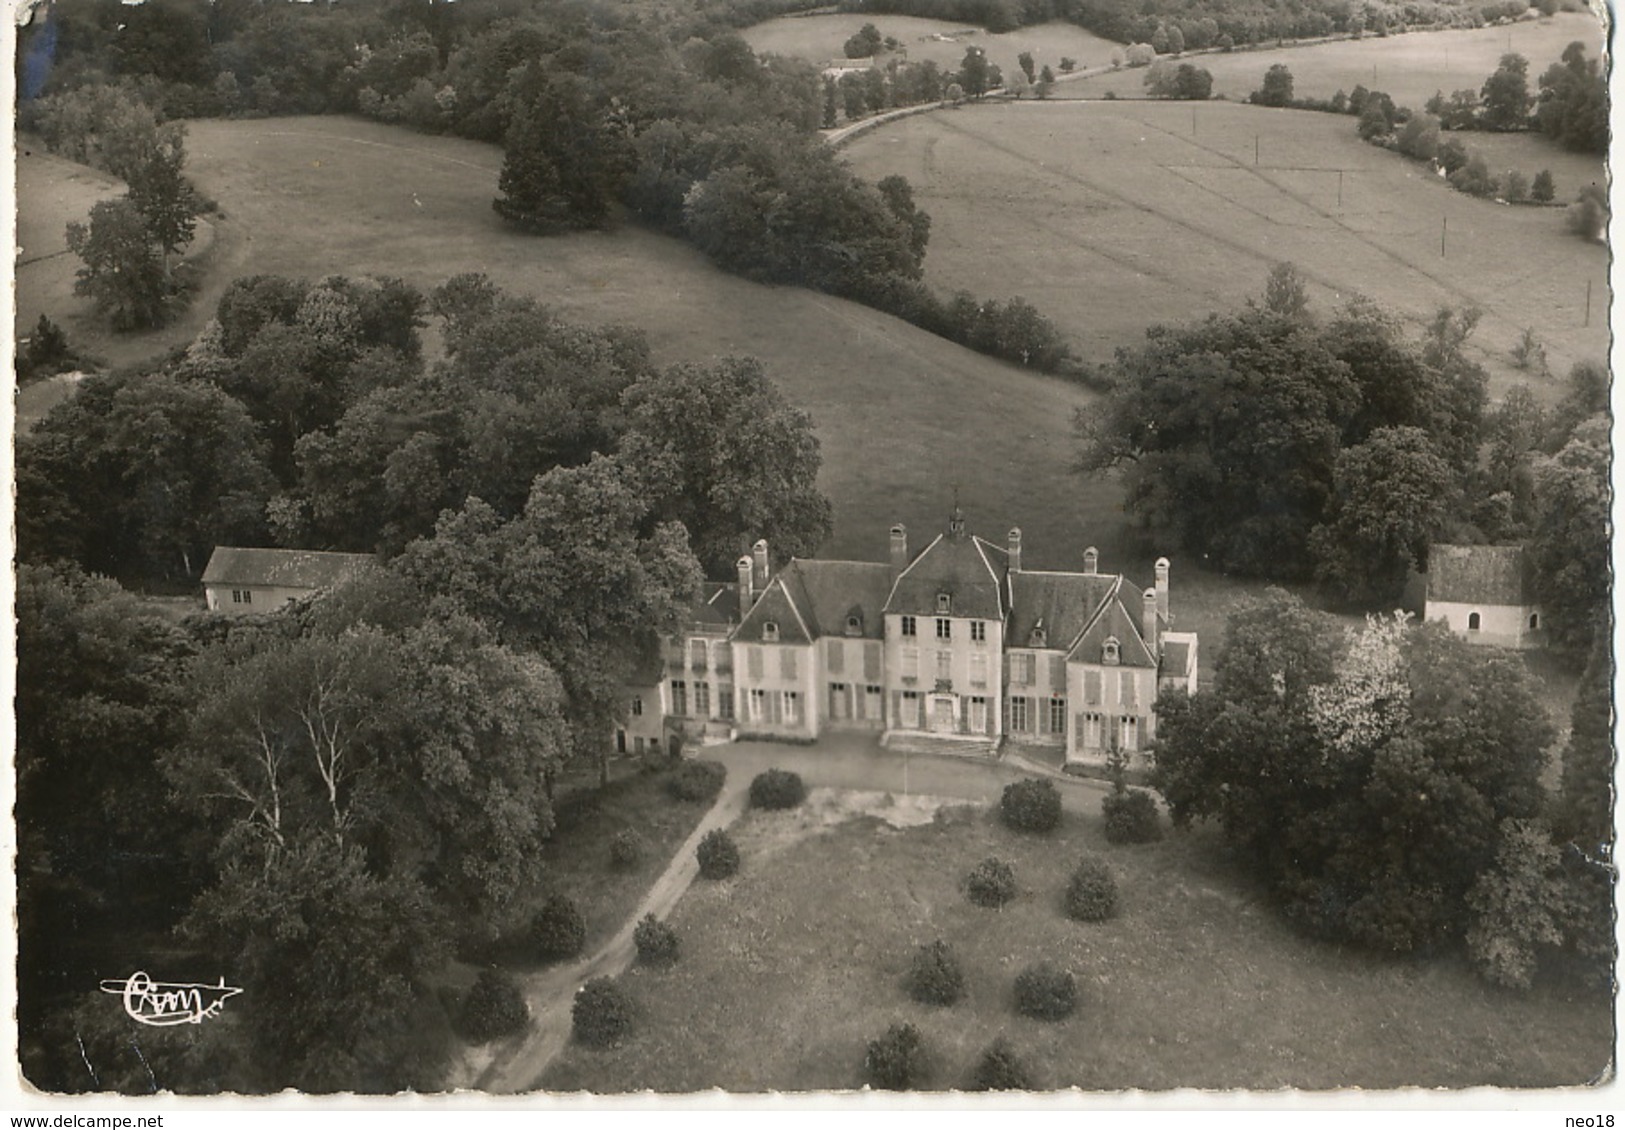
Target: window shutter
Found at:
x=871, y=661
x=753, y=661
x=1057, y=672
x=1091, y=688
x=787, y=663
x=1131, y=688
x=835, y=652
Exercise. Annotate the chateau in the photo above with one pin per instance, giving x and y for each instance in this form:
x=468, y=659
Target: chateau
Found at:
x=956, y=646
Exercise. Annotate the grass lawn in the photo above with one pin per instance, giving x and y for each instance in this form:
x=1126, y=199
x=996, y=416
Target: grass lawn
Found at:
x=1110, y=216
x=819, y=39
x=790, y=968
x=1409, y=68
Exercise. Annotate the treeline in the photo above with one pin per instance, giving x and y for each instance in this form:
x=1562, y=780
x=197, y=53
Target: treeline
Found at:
x=1278, y=444
x=333, y=799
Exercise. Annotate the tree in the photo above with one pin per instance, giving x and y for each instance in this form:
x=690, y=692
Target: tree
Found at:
x=1277, y=88
x=865, y=42
x=1570, y=540
x=1176, y=40
x=1045, y=83
x=1391, y=497
x=1025, y=61
x=1286, y=292
x=559, y=158
x=1506, y=95
x=973, y=72
x=721, y=451
x=1541, y=189
x=1573, y=103
x=123, y=274
x=829, y=119
x=165, y=199
x=1588, y=216
x=1516, y=905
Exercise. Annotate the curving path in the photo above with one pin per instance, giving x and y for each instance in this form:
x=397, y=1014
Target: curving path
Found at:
x=839, y=762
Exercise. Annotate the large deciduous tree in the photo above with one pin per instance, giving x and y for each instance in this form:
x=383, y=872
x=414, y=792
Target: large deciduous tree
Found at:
x=123, y=272
x=724, y=453
x=1571, y=537
x=1506, y=95
x=561, y=157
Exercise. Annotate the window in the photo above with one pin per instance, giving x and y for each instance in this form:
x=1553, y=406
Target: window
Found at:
x=679, y=697
x=787, y=663
x=1021, y=669
x=702, y=699
x=697, y=652
x=725, y=701
x=1057, y=671
x=1110, y=651
x=753, y=661
x=770, y=632
x=1057, y=715
x=978, y=631
x=637, y=706
x=908, y=625
x=792, y=708
x=854, y=626
x=1091, y=688
x=1037, y=638
x=835, y=656
x=242, y=596
x=1131, y=688
x=1089, y=731
x=1018, y=715
x=840, y=702
x=911, y=662
x=872, y=702
x=1131, y=733
x=911, y=710
x=1534, y=621
x=944, y=602
x=722, y=658
x=978, y=668
x=945, y=629
x=871, y=661
x=758, y=705
x=1472, y=622
x=945, y=664
x=978, y=715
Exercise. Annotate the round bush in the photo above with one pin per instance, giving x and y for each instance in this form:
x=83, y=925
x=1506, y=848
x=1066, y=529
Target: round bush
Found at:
x=1131, y=817
x=696, y=780
x=896, y=1061
x=777, y=788
x=935, y=976
x=493, y=1007
x=625, y=850
x=718, y=856
x=656, y=941
x=602, y=1013
x=991, y=882
x=1091, y=894
x=558, y=931
x=1033, y=805
x=1045, y=992
x=1000, y=1069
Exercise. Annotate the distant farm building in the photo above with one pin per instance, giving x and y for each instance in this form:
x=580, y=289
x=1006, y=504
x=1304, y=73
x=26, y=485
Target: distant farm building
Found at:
x=248, y=580
x=1485, y=593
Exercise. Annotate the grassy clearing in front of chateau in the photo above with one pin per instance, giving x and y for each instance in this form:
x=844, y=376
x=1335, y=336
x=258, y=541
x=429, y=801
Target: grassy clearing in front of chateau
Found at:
x=790, y=968
x=819, y=39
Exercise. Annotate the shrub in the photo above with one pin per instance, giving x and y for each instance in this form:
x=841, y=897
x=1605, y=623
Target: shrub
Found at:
x=1541, y=189
x=896, y=1061
x=602, y=1013
x=1044, y=992
x=1091, y=893
x=656, y=941
x=697, y=780
x=991, y=882
x=935, y=976
x=1588, y=216
x=718, y=855
x=777, y=788
x=493, y=1007
x=1452, y=155
x=625, y=849
x=1033, y=805
x=1474, y=178
x=558, y=931
x=1000, y=1069
x=1131, y=817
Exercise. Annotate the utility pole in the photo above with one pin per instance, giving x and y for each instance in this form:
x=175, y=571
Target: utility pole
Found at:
x=1443, y=228
x=1255, y=150
x=1339, y=188
x=1588, y=302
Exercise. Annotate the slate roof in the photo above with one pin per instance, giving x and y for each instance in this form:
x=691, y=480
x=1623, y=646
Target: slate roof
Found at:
x=1480, y=574
x=1176, y=657
x=283, y=568
x=1113, y=620
x=827, y=592
x=968, y=568
x=776, y=605
x=1064, y=602
x=718, y=605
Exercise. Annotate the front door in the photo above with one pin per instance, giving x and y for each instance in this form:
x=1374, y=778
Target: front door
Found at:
x=942, y=714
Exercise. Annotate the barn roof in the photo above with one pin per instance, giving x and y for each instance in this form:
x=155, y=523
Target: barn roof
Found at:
x=283, y=568
x=1480, y=574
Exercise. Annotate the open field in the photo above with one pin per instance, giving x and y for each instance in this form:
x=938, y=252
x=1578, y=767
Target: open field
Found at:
x=1408, y=67
x=1111, y=216
x=1196, y=983
x=818, y=39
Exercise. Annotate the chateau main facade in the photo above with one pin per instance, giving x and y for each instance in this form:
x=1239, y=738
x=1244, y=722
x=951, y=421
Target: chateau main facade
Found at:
x=956, y=646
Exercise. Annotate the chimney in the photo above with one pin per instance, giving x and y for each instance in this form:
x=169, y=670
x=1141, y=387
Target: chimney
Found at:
x=1091, y=559
x=1148, y=625
x=1162, y=589
x=746, y=596
x=899, y=548
x=759, y=551
x=1015, y=550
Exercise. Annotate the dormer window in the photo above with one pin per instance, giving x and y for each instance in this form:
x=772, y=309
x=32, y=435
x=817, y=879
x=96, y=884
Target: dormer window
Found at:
x=1037, y=637
x=1111, y=652
x=944, y=604
x=854, y=626
x=770, y=632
